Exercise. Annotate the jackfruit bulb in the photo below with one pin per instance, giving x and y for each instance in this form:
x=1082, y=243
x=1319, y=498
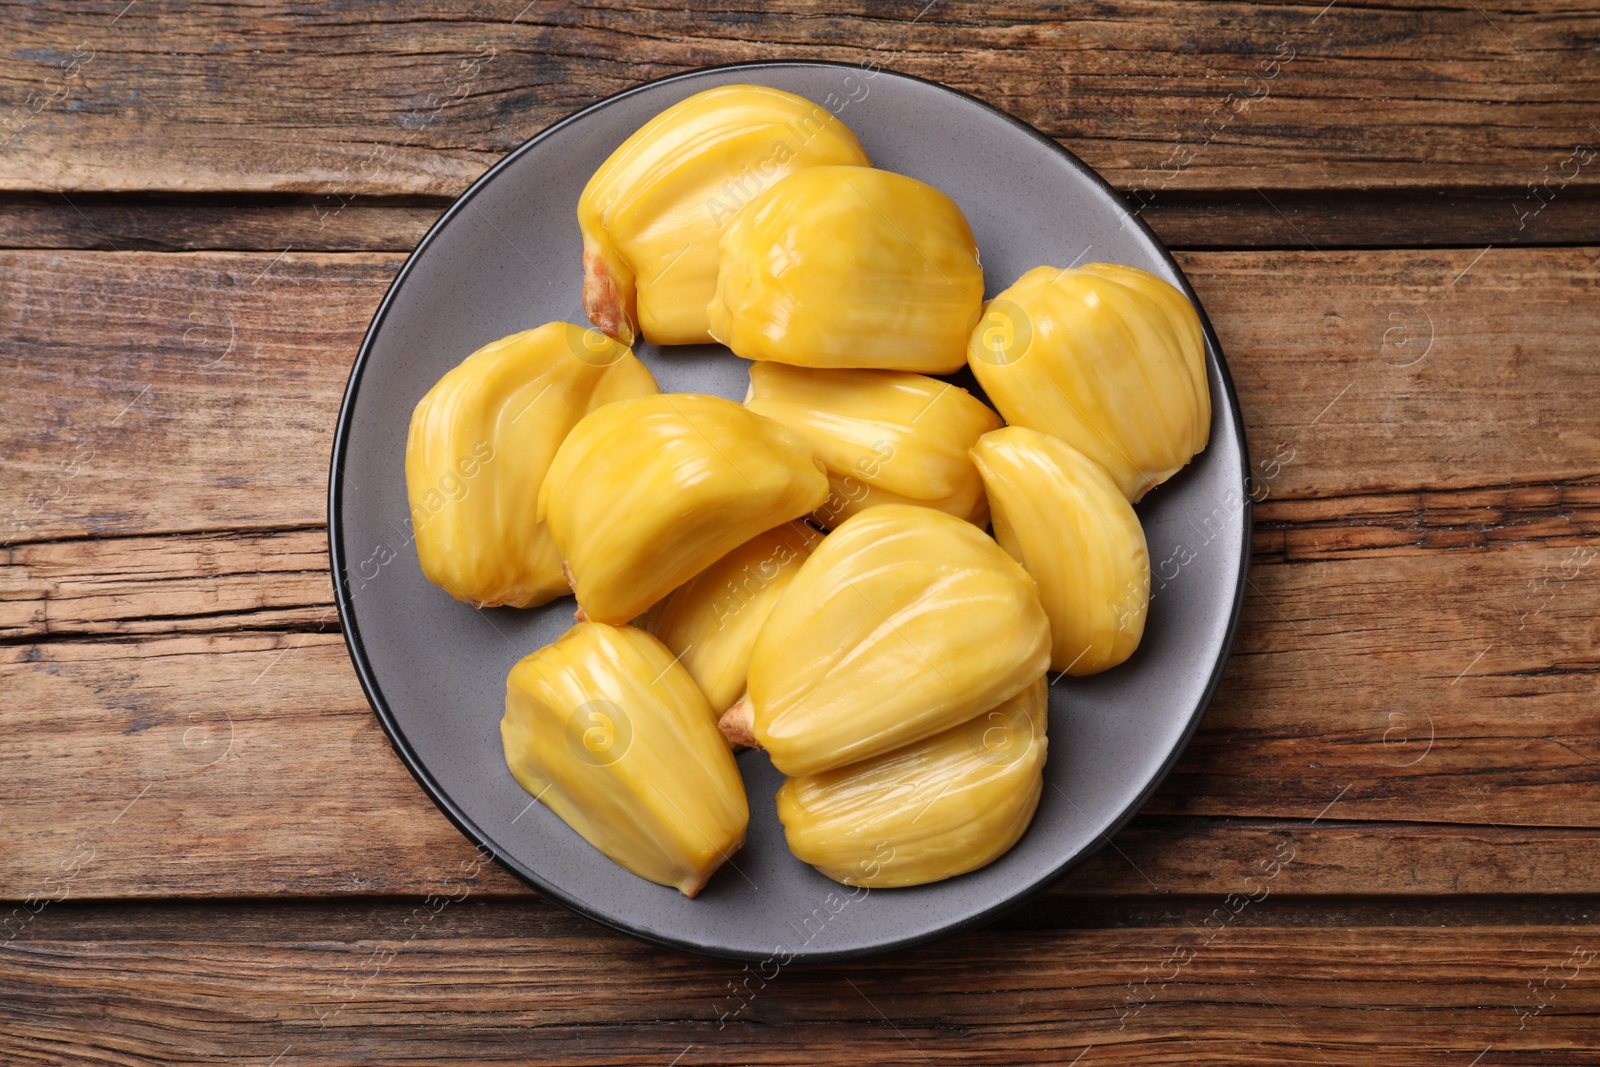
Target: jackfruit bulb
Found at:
x=480, y=443
x=608, y=732
x=652, y=214
x=849, y=267
x=1108, y=358
x=904, y=622
x=938, y=807
x=645, y=494
x=886, y=437
x=711, y=621
x=1061, y=516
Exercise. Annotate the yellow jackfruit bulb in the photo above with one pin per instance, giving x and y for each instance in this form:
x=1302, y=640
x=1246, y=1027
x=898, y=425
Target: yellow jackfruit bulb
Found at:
x=886, y=437
x=904, y=622
x=480, y=443
x=1109, y=359
x=849, y=267
x=934, y=809
x=711, y=621
x=647, y=493
x=652, y=214
x=1062, y=517
x=615, y=738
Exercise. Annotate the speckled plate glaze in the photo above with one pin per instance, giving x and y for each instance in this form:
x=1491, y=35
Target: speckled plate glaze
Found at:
x=506, y=257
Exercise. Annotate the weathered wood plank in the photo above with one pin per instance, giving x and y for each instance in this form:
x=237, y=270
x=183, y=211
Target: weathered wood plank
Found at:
x=201, y=583
x=111, y=222
x=1299, y=530
x=1253, y=756
x=1413, y=382
x=1250, y=995
x=1366, y=687
x=420, y=98
x=1359, y=372
x=1369, y=219
x=168, y=393
x=490, y=914
x=1408, y=687
x=233, y=222
x=224, y=581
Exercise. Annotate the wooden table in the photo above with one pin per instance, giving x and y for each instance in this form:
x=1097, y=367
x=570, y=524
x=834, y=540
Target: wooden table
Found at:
x=1381, y=848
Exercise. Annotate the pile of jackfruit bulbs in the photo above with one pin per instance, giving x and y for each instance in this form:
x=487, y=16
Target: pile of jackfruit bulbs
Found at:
x=808, y=572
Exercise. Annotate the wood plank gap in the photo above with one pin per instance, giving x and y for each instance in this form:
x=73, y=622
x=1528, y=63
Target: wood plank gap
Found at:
x=1189, y=220
x=351, y=919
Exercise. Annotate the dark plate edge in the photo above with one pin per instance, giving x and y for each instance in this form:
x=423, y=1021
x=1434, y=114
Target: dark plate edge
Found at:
x=369, y=684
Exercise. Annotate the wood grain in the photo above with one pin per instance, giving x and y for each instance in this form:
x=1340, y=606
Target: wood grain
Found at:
x=1250, y=995
x=488, y=914
x=1373, y=373
x=182, y=736
x=198, y=583
x=142, y=711
x=175, y=393
x=1394, y=371
x=226, y=581
x=419, y=98
x=1416, y=575
x=1302, y=529
x=171, y=222
x=1393, y=681
x=1189, y=219
x=211, y=854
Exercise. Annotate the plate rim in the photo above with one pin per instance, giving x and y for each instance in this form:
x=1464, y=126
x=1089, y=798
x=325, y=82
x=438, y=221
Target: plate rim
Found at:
x=351, y=630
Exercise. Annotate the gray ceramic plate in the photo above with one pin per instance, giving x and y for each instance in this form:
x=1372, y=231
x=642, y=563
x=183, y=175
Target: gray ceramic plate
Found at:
x=506, y=257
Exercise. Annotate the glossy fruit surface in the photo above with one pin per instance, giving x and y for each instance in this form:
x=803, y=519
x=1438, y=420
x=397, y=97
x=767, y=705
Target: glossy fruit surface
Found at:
x=940, y=807
x=651, y=216
x=711, y=621
x=1061, y=516
x=849, y=267
x=904, y=622
x=479, y=446
x=886, y=437
x=1108, y=358
x=605, y=730
x=647, y=493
